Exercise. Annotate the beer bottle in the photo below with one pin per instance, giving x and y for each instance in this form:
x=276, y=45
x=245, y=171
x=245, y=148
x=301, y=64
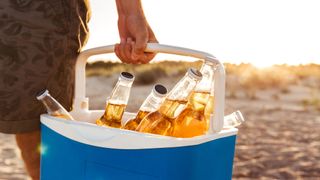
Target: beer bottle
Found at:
x=232, y=120
x=53, y=107
x=117, y=102
x=194, y=120
x=151, y=104
x=161, y=121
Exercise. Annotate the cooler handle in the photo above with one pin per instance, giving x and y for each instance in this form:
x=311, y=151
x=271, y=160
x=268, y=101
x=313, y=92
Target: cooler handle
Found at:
x=80, y=104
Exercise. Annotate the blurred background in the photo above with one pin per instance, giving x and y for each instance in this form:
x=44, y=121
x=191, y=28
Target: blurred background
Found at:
x=271, y=53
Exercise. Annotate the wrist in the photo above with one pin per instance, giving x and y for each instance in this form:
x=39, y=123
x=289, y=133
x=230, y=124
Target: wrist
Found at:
x=129, y=8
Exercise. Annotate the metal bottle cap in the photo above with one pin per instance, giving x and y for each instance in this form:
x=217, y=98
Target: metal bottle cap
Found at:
x=127, y=76
x=194, y=73
x=160, y=90
x=43, y=93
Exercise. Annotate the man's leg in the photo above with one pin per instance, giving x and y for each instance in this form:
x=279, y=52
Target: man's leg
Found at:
x=29, y=145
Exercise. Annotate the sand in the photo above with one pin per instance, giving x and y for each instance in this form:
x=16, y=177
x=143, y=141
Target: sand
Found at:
x=279, y=140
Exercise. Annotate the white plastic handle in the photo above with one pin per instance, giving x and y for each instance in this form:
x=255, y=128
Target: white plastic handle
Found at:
x=80, y=104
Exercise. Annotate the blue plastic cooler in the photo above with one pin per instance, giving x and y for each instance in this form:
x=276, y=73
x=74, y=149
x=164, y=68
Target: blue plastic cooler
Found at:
x=81, y=150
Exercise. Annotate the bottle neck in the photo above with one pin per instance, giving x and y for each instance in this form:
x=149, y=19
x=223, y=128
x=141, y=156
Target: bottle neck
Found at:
x=182, y=89
x=121, y=91
x=51, y=104
x=234, y=119
x=207, y=81
x=152, y=102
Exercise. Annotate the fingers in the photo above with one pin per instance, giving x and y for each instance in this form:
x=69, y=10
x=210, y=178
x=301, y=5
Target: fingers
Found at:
x=120, y=52
x=124, y=51
x=139, y=46
x=128, y=48
x=139, y=53
x=147, y=56
x=131, y=52
x=128, y=51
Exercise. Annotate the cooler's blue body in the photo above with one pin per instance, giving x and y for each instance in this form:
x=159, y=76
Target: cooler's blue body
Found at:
x=65, y=159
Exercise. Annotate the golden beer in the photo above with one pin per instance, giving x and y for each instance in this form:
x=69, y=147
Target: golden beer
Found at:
x=117, y=102
x=192, y=121
x=133, y=123
x=112, y=115
x=161, y=121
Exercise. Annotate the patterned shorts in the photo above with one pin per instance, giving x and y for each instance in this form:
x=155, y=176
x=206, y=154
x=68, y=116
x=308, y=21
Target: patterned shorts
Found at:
x=39, y=43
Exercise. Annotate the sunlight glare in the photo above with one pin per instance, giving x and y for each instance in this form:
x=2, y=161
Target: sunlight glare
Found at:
x=261, y=32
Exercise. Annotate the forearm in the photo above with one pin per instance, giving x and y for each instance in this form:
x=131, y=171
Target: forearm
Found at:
x=134, y=32
x=129, y=7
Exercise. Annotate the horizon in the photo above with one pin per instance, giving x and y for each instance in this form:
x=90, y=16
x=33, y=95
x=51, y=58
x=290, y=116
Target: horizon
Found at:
x=261, y=33
x=97, y=60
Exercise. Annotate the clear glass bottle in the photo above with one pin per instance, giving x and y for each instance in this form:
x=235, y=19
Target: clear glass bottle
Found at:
x=53, y=107
x=232, y=120
x=161, y=121
x=151, y=104
x=193, y=120
x=117, y=102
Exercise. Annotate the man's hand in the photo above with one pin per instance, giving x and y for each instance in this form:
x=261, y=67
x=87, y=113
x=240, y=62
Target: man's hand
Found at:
x=134, y=32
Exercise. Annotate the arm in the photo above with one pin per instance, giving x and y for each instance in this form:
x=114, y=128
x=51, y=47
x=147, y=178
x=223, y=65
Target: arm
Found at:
x=134, y=32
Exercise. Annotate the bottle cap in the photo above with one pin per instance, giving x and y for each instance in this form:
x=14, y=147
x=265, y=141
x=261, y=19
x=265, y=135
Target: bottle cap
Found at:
x=160, y=90
x=40, y=95
x=194, y=73
x=127, y=76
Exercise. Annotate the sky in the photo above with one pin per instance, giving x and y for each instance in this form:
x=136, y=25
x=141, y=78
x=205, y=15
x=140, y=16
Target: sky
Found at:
x=261, y=32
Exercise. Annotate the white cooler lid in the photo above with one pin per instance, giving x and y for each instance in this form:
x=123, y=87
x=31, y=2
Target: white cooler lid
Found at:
x=91, y=134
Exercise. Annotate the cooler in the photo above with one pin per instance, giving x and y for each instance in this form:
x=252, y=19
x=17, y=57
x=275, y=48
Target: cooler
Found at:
x=81, y=150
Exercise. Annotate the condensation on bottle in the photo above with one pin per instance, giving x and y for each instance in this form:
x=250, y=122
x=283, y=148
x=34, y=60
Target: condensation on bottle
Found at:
x=117, y=102
x=151, y=104
x=195, y=118
x=53, y=107
x=161, y=121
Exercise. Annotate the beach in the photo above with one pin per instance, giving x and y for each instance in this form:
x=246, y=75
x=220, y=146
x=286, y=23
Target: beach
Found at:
x=280, y=138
